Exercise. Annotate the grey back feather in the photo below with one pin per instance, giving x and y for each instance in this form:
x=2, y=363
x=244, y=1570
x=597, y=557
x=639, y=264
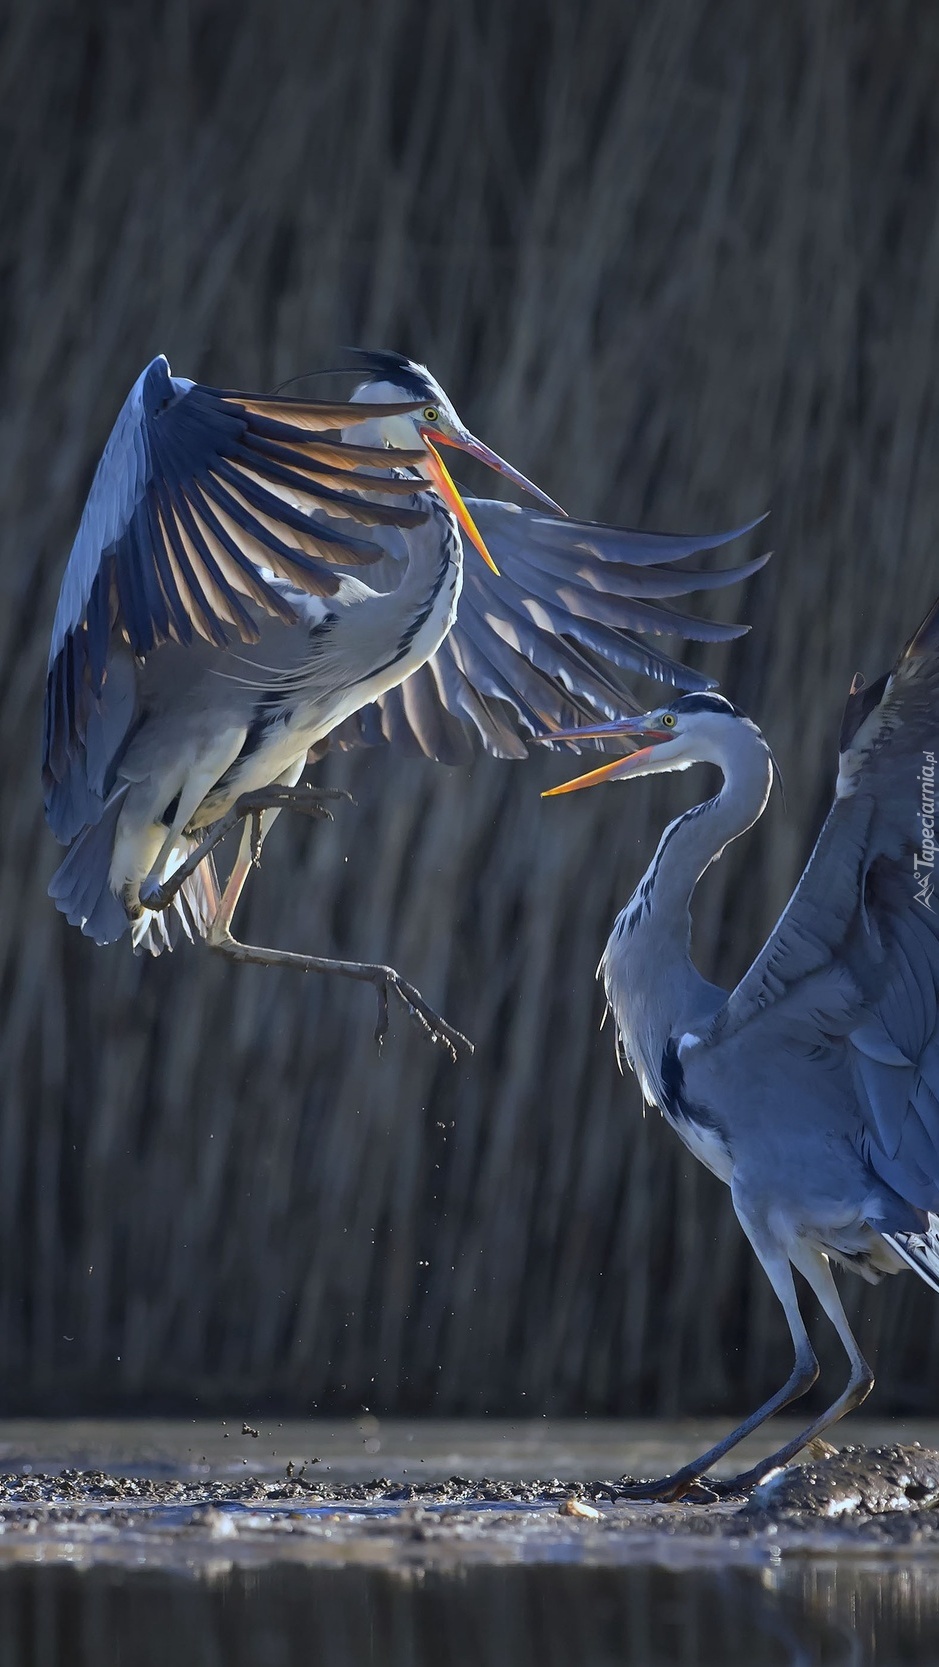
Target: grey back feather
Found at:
x=856, y=951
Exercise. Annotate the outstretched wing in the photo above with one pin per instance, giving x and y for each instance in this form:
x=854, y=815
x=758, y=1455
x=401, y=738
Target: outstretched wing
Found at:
x=200, y=496
x=856, y=953
x=539, y=647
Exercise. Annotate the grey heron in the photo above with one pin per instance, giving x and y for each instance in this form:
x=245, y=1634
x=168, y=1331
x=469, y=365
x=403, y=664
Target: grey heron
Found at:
x=812, y=1089
x=210, y=633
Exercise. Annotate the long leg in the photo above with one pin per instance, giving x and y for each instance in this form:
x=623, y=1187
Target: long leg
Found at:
x=814, y=1266
x=312, y=801
x=776, y=1264
x=258, y=825
x=261, y=807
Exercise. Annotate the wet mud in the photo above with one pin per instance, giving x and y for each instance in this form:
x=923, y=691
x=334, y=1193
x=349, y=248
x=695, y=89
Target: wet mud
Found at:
x=872, y=1501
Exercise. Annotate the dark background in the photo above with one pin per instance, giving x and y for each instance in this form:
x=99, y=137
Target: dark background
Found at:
x=680, y=262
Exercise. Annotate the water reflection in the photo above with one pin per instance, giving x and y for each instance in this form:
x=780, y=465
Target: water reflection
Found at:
x=543, y=1616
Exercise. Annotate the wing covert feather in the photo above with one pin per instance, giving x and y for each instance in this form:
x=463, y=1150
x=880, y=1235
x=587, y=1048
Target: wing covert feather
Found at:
x=200, y=496
x=540, y=645
x=864, y=912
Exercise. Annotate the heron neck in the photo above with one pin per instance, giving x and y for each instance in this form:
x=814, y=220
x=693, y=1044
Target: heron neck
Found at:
x=697, y=838
x=433, y=548
x=652, y=984
x=401, y=628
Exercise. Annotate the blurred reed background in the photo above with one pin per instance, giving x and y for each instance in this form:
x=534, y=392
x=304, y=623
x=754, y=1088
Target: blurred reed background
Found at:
x=680, y=262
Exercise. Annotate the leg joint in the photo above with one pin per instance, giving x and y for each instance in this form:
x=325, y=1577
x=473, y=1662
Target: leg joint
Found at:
x=805, y=1371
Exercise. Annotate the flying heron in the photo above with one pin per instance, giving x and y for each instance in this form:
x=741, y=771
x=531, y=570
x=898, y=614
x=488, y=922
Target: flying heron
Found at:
x=210, y=633
x=812, y=1089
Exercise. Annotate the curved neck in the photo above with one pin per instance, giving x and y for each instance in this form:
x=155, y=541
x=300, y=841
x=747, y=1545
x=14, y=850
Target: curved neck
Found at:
x=652, y=985
x=431, y=548
x=400, y=629
x=694, y=840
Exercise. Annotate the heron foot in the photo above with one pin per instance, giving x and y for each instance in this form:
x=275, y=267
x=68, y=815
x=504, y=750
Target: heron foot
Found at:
x=668, y=1490
x=385, y=981
x=310, y=801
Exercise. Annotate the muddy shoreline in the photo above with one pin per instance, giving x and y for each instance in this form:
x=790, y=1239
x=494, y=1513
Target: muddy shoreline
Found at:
x=869, y=1503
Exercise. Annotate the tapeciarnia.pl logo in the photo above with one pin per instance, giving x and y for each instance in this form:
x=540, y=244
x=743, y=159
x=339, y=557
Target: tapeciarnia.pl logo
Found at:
x=924, y=863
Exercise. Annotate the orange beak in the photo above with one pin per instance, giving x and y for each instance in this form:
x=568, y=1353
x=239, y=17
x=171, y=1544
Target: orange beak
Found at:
x=607, y=772
x=629, y=728
x=446, y=486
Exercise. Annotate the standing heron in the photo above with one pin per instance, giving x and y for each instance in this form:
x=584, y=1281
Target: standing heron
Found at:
x=812, y=1089
x=209, y=634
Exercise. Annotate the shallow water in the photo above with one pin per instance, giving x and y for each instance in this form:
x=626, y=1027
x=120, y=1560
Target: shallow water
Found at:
x=532, y=1616
x=393, y=1585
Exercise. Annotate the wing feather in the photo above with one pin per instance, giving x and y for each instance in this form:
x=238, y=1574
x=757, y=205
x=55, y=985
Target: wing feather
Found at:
x=541, y=645
x=201, y=494
x=859, y=909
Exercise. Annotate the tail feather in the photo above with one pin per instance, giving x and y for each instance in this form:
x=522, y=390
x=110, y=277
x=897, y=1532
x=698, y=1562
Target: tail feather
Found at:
x=81, y=889
x=80, y=885
x=71, y=804
x=191, y=912
x=920, y=1251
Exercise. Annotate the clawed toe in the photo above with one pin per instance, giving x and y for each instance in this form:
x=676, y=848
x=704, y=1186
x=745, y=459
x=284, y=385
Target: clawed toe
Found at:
x=312, y=801
x=428, y=1022
x=309, y=801
x=383, y=979
x=673, y=1490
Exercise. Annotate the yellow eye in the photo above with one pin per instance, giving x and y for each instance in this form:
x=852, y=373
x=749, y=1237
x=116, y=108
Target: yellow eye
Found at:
x=431, y=414
x=668, y=720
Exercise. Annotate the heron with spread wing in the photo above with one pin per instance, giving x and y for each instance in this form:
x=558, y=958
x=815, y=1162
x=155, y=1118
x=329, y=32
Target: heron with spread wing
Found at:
x=213, y=627
x=812, y=1089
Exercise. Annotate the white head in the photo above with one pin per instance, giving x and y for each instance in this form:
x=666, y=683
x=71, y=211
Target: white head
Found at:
x=430, y=422
x=694, y=729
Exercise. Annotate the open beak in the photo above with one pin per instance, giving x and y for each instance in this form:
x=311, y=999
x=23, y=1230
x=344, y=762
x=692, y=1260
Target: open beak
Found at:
x=637, y=729
x=464, y=441
x=448, y=490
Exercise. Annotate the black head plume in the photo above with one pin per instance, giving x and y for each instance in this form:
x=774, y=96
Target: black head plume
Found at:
x=385, y=366
x=706, y=702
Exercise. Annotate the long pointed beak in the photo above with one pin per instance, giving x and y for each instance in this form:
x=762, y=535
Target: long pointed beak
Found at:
x=628, y=728
x=474, y=448
x=446, y=486
x=616, y=768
